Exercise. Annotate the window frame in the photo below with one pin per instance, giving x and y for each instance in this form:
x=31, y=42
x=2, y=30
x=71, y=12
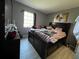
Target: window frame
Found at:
x=34, y=21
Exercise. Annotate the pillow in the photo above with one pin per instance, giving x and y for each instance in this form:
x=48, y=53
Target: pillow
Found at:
x=49, y=27
x=58, y=29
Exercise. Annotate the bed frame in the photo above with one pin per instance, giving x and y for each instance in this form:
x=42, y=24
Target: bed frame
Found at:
x=45, y=49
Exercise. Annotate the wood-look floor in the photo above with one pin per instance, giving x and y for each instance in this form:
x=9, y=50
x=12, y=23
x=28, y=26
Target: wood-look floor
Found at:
x=62, y=53
x=28, y=52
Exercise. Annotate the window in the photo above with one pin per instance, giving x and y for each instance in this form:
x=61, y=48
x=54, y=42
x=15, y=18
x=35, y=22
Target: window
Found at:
x=28, y=19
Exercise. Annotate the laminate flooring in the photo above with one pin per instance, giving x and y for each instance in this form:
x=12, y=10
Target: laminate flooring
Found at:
x=28, y=52
x=62, y=53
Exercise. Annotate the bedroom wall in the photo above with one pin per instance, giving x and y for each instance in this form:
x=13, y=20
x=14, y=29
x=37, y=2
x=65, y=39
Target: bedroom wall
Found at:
x=7, y=11
x=18, y=16
x=73, y=13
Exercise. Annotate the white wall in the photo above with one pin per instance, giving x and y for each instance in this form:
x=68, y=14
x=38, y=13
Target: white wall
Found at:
x=41, y=18
x=73, y=13
x=7, y=11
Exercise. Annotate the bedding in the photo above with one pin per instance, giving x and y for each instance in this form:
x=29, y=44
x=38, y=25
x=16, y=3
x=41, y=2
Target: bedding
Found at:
x=50, y=36
x=43, y=48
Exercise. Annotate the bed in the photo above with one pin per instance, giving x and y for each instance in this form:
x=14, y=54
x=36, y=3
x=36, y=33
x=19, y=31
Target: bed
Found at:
x=43, y=48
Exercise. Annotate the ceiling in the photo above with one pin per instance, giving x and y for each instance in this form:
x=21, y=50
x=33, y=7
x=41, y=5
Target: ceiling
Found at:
x=49, y=6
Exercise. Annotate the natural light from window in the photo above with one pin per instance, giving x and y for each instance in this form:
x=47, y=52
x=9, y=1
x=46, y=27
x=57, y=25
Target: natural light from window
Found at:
x=28, y=19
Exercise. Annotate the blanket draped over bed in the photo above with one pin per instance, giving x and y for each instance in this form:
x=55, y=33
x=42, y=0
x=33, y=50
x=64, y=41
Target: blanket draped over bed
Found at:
x=48, y=36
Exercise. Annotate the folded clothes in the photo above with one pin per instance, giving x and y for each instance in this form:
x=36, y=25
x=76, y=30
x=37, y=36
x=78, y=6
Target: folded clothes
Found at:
x=11, y=32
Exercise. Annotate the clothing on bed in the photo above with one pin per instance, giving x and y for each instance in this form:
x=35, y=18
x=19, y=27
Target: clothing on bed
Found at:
x=50, y=36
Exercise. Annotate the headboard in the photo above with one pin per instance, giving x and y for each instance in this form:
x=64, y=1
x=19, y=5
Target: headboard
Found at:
x=65, y=26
